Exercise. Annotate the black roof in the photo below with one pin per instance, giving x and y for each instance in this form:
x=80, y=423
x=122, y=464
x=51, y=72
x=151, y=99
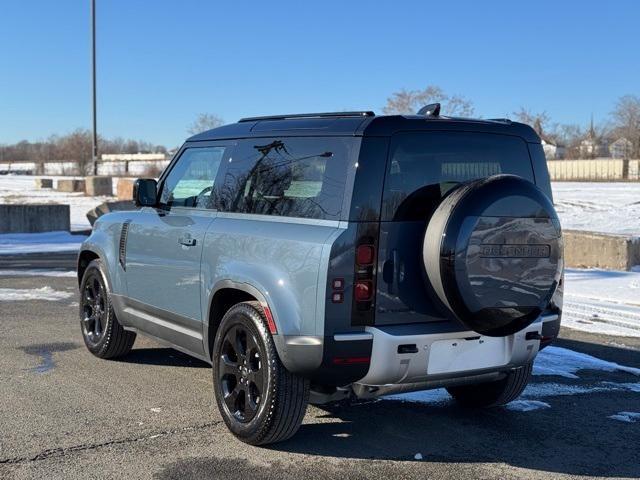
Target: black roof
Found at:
x=359, y=124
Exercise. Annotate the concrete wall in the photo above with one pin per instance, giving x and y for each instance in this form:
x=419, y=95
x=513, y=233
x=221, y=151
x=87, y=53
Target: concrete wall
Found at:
x=604, y=169
x=34, y=218
x=614, y=252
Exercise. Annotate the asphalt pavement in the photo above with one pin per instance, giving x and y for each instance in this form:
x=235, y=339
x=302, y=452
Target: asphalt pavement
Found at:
x=66, y=414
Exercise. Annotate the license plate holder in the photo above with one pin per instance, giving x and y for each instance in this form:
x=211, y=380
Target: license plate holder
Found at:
x=459, y=355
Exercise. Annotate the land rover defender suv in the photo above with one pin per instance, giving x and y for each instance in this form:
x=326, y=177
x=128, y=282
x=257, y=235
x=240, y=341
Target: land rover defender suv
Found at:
x=332, y=256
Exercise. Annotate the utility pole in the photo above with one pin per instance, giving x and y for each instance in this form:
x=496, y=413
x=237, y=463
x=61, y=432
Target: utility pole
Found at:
x=94, y=148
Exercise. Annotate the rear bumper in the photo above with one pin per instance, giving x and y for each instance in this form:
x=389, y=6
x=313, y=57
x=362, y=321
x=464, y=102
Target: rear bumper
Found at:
x=404, y=357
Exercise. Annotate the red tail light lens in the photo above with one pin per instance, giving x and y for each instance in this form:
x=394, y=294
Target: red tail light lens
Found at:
x=363, y=291
x=365, y=255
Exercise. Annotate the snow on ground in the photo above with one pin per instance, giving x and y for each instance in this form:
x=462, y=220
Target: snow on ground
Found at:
x=22, y=294
x=527, y=405
x=49, y=242
x=21, y=189
x=552, y=361
x=38, y=272
x=628, y=417
x=565, y=363
x=602, y=301
x=599, y=207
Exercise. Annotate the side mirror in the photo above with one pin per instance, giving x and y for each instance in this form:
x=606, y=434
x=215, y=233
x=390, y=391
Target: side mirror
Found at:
x=145, y=192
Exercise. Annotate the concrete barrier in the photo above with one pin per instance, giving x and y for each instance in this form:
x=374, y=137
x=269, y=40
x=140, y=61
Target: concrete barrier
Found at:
x=34, y=218
x=587, y=249
x=125, y=188
x=42, y=183
x=98, y=186
x=70, y=185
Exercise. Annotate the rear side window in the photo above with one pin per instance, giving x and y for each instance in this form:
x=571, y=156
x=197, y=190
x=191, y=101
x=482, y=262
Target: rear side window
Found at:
x=291, y=177
x=424, y=166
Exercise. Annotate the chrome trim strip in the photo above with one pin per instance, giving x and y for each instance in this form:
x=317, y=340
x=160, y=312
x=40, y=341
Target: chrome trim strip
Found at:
x=549, y=318
x=352, y=337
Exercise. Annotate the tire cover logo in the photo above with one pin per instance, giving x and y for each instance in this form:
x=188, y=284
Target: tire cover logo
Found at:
x=515, y=251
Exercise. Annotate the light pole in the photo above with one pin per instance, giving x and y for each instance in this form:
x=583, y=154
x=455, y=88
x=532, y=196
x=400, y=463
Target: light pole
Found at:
x=94, y=148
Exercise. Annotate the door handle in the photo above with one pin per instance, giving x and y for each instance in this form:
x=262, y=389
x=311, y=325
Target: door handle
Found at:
x=187, y=240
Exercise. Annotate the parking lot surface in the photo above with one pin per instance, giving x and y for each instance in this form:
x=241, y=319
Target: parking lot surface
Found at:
x=67, y=414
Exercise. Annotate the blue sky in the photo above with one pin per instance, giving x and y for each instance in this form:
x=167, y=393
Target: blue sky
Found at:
x=160, y=63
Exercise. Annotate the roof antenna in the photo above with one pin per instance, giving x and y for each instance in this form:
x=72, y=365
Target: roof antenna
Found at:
x=431, y=110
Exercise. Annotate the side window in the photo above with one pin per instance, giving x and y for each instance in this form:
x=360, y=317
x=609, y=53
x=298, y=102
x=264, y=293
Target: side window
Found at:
x=190, y=182
x=292, y=177
x=424, y=166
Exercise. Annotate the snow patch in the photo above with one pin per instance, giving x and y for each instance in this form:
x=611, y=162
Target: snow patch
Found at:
x=607, y=207
x=629, y=417
x=38, y=272
x=21, y=294
x=602, y=301
x=436, y=396
x=526, y=405
x=47, y=242
x=565, y=363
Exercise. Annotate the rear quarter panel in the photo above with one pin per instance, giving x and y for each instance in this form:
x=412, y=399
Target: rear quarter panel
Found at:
x=285, y=259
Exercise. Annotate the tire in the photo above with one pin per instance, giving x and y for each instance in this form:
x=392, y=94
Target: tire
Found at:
x=271, y=403
x=492, y=254
x=102, y=333
x=493, y=394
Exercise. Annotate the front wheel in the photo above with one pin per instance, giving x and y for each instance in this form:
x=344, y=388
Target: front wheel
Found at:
x=103, y=334
x=260, y=401
x=493, y=394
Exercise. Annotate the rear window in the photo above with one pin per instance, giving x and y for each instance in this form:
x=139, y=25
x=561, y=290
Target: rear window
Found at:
x=424, y=166
x=291, y=177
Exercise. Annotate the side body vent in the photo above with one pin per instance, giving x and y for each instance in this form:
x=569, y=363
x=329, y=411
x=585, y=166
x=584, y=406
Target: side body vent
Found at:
x=122, y=251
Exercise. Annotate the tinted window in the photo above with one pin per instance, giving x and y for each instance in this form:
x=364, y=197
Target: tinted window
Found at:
x=424, y=166
x=293, y=177
x=190, y=181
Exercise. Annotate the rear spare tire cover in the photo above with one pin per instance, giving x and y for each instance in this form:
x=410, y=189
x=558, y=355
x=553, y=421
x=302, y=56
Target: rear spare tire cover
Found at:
x=493, y=253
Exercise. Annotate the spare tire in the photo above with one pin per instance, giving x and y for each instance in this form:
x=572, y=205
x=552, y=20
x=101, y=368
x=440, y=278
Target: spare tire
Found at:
x=493, y=253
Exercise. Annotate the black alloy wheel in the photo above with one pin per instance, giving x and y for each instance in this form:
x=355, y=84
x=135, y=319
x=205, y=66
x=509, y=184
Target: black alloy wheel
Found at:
x=240, y=374
x=259, y=400
x=93, y=308
x=102, y=333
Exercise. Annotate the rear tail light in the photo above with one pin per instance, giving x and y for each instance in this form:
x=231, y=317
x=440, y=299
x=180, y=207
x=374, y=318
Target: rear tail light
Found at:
x=365, y=255
x=363, y=291
x=363, y=285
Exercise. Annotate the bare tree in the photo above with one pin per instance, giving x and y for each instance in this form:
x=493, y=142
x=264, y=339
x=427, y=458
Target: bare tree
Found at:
x=406, y=102
x=540, y=122
x=626, y=120
x=204, y=122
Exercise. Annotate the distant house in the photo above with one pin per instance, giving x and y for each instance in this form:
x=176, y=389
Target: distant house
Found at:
x=593, y=146
x=552, y=150
x=621, y=148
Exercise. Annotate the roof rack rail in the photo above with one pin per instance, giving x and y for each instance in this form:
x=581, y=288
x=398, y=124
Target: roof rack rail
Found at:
x=503, y=120
x=309, y=115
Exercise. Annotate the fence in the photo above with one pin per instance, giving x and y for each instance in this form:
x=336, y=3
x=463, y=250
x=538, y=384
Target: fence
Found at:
x=597, y=170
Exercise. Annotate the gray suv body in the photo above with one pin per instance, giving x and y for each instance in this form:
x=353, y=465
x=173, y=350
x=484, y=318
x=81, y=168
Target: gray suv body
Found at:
x=327, y=256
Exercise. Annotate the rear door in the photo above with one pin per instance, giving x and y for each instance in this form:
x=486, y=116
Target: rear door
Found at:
x=164, y=249
x=422, y=168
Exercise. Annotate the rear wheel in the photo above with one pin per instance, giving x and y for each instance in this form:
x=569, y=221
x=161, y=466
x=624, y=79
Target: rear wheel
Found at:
x=102, y=333
x=493, y=394
x=260, y=401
